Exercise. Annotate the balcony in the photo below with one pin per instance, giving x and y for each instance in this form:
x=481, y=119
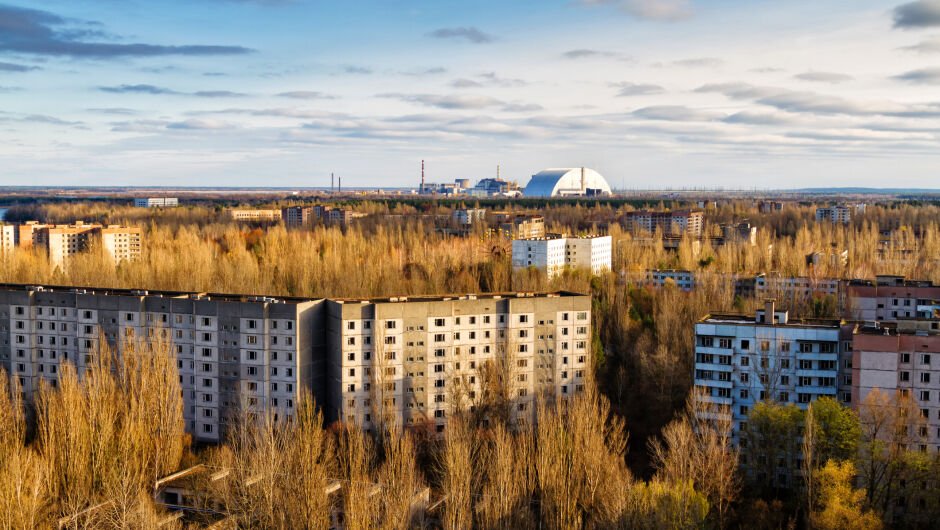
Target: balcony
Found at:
x=714, y=383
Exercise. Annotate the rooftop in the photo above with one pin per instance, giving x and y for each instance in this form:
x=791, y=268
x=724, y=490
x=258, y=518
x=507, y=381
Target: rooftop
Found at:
x=751, y=320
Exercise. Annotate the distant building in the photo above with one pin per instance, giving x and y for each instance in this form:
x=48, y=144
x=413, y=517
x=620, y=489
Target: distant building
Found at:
x=799, y=288
x=64, y=241
x=341, y=216
x=297, y=215
x=494, y=186
x=524, y=227
x=553, y=254
x=157, y=202
x=659, y=278
x=567, y=182
x=248, y=215
x=741, y=232
x=839, y=214
x=8, y=238
x=675, y=223
x=769, y=206
x=469, y=216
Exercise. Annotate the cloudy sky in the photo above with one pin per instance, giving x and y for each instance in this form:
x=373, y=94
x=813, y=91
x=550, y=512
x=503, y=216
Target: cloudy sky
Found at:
x=652, y=93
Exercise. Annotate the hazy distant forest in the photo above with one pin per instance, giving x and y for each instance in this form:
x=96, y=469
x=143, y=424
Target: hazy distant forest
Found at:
x=627, y=453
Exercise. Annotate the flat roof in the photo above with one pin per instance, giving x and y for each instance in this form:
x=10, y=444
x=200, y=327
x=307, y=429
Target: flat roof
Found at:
x=236, y=297
x=446, y=298
x=751, y=320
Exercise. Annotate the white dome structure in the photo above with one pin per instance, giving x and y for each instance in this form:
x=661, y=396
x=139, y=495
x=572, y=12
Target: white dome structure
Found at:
x=567, y=182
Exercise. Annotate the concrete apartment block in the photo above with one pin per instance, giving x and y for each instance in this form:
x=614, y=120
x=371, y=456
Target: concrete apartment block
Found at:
x=7, y=237
x=553, y=254
x=246, y=215
x=233, y=352
x=423, y=357
x=468, y=216
x=740, y=360
x=674, y=223
x=891, y=298
x=157, y=202
x=894, y=360
x=297, y=215
x=228, y=347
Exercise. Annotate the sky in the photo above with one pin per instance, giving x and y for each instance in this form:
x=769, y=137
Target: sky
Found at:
x=735, y=94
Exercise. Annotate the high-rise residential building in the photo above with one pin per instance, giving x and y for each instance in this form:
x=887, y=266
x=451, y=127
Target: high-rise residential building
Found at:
x=122, y=242
x=553, y=254
x=769, y=206
x=891, y=298
x=418, y=359
x=157, y=202
x=25, y=231
x=248, y=215
x=524, y=227
x=228, y=347
x=64, y=241
x=840, y=213
x=8, y=238
x=674, y=223
x=469, y=216
x=297, y=215
x=894, y=360
x=741, y=232
x=741, y=360
x=430, y=354
x=341, y=216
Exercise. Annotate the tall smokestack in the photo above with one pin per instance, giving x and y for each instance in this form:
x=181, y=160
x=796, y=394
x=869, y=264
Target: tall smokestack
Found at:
x=332, y=187
x=422, y=178
x=583, y=189
x=497, y=171
x=339, y=189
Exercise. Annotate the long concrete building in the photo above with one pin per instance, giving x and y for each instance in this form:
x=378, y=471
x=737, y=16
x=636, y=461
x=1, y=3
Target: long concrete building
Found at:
x=554, y=254
x=264, y=352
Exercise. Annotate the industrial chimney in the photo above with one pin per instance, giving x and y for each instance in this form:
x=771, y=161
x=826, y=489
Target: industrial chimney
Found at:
x=583, y=188
x=422, y=178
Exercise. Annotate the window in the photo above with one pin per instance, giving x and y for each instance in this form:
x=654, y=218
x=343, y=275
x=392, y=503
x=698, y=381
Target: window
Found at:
x=925, y=377
x=905, y=376
x=925, y=395
x=351, y=325
x=745, y=344
x=439, y=337
x=390, y=324
x=806, y=347
x=582, y=315
x=724, y=344
x=765, y=345
x=905, y=358
x=806, y=365
x=744, y=393
x=744, y=377
x=438, y=322
x=252, y=324
x=925, y=358
x=745, y=361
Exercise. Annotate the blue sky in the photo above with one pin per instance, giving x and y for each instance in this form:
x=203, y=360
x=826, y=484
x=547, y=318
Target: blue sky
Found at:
x=652, y=93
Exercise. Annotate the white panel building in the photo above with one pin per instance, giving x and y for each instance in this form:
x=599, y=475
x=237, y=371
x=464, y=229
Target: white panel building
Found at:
x=157, y=202
x=741, y=360
x=553, y=254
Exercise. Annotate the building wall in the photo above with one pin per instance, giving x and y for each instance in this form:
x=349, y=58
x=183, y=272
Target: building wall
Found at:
x=740, y=361
x=424, y=359
x=255, y=215
x=900, y=362
x=7, y=237
x=553, y=254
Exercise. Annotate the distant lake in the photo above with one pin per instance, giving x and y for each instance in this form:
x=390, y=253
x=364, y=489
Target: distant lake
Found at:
x=3, y=212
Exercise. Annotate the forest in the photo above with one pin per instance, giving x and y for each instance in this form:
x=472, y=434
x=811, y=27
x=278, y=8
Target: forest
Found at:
x=630, y=452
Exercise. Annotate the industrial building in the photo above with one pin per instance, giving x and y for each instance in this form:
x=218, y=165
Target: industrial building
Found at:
x=554, y=254
x=263, y=352
x=567, y=182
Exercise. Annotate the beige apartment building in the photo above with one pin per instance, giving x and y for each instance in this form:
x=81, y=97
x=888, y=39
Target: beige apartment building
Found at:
x=63, y=241
x=297, y=215
x=246, y=215
x=526, y=227
x=7, y=237
x=425, y=355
